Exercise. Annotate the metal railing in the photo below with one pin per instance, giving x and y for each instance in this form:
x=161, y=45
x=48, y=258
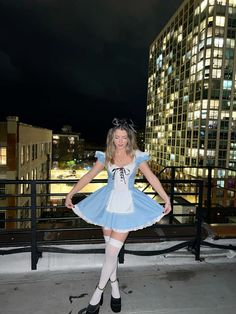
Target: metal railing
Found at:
x=32, y=200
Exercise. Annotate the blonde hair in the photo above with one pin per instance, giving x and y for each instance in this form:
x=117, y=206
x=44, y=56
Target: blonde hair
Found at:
x=110, y=148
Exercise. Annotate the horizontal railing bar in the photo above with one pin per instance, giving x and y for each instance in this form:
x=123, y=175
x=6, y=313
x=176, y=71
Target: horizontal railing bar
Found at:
x=40, y=235
x=14, y=219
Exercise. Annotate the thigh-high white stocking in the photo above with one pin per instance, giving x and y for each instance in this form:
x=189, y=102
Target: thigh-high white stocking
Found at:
x=115, y=291
x=110, y=264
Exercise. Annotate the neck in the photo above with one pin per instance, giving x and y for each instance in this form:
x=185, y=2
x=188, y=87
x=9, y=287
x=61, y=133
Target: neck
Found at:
x=120, y=151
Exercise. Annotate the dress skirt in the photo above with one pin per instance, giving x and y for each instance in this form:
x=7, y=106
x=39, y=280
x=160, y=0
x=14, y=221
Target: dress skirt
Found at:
x=119, y=205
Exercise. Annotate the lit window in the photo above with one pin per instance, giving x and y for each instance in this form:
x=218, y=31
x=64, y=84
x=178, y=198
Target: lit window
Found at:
x=199, y=76
x=204, y=104
x=208, y=53
x=204, y=114
x=218, y=42
x=180, y=37
x=22, y=155
x=28, y=153
x=220, y=21
x=202, y=27
x=230, y=43
x=27, y=178
x=170, y=69
x=196, y=114
x=217, y=63
x=21, y=186
x=197, y=11
x=203, y=5
x=227, y=84
x=213, y=114
x=200, y=66
x=218, y=53
x=209, y=41
x=232, y=3
x=216, y=73
x=159, y=61
x=224, y=114
x=214, y=104
x=3, y=155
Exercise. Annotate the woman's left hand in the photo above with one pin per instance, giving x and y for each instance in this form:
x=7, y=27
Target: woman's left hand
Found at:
x=167, y=208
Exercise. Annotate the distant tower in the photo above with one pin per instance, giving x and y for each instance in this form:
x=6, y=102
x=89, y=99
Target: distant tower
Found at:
x=191, y=102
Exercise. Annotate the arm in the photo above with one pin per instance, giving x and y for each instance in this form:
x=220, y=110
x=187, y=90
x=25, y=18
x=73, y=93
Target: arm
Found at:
x=156, y=184
x=83, y=181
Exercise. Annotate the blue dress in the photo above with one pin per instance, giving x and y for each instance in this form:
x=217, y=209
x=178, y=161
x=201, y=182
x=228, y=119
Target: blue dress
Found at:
x=119, y=205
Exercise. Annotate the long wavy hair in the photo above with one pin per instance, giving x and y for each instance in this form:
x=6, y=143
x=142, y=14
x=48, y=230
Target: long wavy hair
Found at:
x=110, y=145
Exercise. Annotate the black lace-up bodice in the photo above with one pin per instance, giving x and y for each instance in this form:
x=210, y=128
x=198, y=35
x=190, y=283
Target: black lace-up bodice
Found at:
x=122, y=172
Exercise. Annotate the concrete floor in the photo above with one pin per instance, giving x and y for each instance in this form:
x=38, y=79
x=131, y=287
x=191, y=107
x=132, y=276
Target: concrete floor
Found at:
x=198, y=287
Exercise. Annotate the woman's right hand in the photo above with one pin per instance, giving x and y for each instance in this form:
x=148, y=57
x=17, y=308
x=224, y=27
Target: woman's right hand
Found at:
x=68, y=202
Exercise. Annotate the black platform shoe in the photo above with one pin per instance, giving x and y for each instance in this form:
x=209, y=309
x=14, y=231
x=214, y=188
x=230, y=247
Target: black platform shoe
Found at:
x=115, y=304
x=94, y=309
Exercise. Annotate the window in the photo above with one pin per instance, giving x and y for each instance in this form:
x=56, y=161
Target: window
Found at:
x=22, y=186
x=28, y=153
x=22, y=155
x=220, y=21
x=227, y=84
x=219, y=42
x=2, y=224
x=2, y=191
x=229, y=53
x=3, y=155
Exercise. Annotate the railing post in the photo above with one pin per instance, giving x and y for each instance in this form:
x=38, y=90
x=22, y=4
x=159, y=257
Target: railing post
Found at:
x=34, y=251
x=199, y=220
x=121, y=256
x=209, y=192
x=172, y=191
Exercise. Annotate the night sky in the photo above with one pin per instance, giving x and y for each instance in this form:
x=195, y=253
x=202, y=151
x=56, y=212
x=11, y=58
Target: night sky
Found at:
x=77, y=62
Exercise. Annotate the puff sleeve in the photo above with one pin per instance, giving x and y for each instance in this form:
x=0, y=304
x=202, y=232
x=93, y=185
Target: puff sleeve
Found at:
x=100, y=156
x=141, y=156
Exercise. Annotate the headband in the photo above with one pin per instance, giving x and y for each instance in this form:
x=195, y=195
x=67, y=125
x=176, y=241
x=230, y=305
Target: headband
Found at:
x=123, y=124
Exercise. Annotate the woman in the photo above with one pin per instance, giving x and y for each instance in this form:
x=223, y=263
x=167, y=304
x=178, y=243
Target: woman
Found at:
x=118, y=207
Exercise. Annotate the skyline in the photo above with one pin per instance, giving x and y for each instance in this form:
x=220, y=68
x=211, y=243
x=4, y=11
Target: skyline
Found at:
x=83, y=62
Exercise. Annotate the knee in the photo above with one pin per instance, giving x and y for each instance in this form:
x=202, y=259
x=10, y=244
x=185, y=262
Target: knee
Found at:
x=113, y=247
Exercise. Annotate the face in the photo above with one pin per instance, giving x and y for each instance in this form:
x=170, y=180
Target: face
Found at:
x=120, y=138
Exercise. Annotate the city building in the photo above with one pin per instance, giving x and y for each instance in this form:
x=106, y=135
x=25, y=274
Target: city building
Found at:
x=67, y=146
x=140, y=136
x=191, y=97
x=25, y=154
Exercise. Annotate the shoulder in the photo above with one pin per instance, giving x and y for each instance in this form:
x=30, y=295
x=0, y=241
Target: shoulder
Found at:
x=141, y=156
x=100, y=156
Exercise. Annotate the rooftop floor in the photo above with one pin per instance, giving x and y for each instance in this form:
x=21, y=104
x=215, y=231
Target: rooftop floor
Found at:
x=170, y=284
x=164, y=289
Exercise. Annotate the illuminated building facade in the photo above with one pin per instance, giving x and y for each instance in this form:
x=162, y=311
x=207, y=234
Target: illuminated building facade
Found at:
x=191, y=99
x=67, y=146
x=25, y=154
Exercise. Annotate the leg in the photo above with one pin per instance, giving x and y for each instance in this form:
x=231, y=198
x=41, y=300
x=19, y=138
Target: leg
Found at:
x=110, y=263
x=113, y=278
x=106, y=234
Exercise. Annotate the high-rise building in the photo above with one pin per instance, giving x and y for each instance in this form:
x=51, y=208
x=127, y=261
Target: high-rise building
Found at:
x=191, y=98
